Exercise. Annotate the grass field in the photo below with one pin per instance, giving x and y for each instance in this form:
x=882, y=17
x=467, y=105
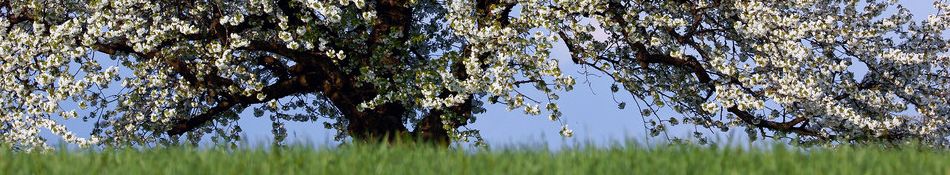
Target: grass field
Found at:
x=422, y=160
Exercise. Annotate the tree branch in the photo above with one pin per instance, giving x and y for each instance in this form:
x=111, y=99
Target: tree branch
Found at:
x=195, y=122
x=299, y=84
x=645, y=57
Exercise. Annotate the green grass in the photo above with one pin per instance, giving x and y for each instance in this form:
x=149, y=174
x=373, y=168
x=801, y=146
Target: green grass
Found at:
x=670, y=159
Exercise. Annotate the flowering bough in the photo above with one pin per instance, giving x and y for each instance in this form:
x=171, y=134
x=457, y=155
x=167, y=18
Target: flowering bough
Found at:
x=792, y=67
x=188, y=68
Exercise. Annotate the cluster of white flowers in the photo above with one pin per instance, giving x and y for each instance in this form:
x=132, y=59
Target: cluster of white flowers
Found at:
x=518, y=54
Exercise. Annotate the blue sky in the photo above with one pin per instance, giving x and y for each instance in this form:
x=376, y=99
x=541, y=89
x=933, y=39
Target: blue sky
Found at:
x=589, y=110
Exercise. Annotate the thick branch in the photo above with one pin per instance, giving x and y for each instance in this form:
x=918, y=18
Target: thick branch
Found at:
x=300, y=84
x=777, y=126
x=195, y=122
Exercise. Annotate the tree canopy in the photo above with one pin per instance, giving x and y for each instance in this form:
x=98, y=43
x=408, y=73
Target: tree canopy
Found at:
x=812, y=71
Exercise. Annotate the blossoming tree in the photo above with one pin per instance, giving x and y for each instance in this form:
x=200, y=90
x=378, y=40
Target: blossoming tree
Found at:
x=147, y=71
